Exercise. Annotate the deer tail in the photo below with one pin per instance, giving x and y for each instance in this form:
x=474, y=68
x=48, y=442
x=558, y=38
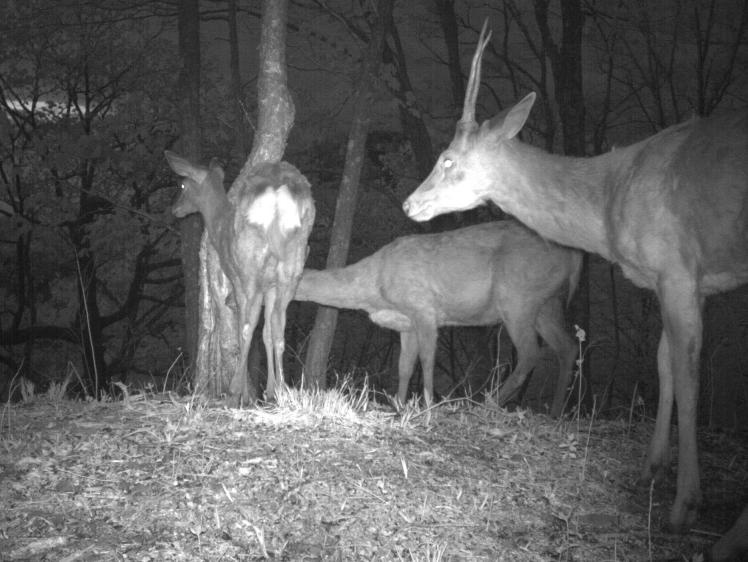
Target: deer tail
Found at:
x=278, y=213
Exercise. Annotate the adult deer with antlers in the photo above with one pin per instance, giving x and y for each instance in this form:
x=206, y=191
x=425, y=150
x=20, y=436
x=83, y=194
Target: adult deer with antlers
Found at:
x=473, y=276
x=671, y=210
x=261, y=244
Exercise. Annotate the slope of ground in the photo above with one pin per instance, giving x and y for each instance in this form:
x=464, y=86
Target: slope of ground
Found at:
x=166, y=478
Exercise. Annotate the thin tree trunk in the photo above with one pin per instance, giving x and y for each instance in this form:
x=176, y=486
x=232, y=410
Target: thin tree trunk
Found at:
x=320, y=340
x=188, y=92
x=410, y=114
x=566, y=65
x=242, y=143
x=241, y=131
x=448, y=21
x=218, y=351
x=570, y=92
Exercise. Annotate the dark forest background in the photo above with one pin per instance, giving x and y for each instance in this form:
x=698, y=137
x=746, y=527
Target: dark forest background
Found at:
x=91, y=275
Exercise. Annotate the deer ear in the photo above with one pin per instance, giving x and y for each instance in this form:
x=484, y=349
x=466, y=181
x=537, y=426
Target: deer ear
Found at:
x=215, y=172
x=180, y=165
x=509, y=122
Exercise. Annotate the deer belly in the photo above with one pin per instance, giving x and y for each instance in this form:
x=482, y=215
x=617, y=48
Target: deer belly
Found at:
x=392, y=320
x=461, y=312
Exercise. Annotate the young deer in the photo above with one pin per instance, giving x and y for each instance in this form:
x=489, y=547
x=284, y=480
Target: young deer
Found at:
x=261, y=243
x=474, y=276
x=672, y=210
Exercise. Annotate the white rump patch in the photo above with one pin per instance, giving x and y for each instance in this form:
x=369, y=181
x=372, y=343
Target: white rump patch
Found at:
x=262, y=210
x=288, y=211
x=274, y=204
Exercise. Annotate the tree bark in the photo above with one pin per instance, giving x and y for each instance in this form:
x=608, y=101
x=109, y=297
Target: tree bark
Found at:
x=188, y=94
x=411, y=119
x=320, y=340
x=218, y=351
x=448, y=21
x=241, y=132
x=566, y=65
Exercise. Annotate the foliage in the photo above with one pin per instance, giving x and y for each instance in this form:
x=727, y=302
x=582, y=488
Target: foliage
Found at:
x=87, y=104
x=88, y=120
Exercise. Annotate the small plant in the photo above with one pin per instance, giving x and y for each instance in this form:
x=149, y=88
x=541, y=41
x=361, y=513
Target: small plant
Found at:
x=409, y=410
x=57, y=391
x=581, y=336
x=342, y=403
x=27, y=389
x=570, y=446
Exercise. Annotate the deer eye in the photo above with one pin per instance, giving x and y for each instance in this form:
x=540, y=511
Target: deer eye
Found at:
x=181, y=185
x=448, y=163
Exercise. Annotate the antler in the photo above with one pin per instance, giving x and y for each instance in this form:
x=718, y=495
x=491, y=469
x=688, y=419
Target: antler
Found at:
x=471, y=93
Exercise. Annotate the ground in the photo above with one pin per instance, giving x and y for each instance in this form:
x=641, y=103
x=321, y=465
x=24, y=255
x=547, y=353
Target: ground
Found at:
x=322, y=477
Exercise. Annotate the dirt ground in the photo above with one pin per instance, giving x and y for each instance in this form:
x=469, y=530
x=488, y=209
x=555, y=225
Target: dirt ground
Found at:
x=167, y=478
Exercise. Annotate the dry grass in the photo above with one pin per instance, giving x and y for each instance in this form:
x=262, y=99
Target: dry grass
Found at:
x=331, y=476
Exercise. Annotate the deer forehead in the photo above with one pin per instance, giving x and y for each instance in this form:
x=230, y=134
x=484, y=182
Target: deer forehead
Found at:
x=469, y=162
x=194, y=180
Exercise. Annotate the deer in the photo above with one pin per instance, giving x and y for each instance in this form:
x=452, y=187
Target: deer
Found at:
x=474, y=276
x=261, y=242
x=733, y=542
x=671, y=210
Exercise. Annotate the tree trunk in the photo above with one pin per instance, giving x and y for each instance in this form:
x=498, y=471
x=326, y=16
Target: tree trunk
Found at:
x=241, y=131
x=566, y=65
x=242, y=144
x=448, y=21
x=218, y=351
x=188, y=94
x=320, y=339
x=410, y=114
x=570, y=98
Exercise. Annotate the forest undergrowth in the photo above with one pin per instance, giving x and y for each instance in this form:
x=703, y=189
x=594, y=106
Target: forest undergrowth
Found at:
x=334, y=476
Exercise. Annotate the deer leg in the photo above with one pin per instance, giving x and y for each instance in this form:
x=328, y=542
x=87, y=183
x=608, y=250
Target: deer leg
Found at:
x=551, y=327
x=678, y=361
x=685, y=358
x=249, y=312
x=267, y=338
x=525, y=339
x=658, y=456
x=406, y=363
x=427, y=337
x=279, y=330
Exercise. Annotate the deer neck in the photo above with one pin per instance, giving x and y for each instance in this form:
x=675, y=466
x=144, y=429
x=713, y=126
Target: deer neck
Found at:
x=346, y=287
x=562, y=198
x=218, y=215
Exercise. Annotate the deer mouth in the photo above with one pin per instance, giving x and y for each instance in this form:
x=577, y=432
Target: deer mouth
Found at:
x=179, y=212
x=418, y=212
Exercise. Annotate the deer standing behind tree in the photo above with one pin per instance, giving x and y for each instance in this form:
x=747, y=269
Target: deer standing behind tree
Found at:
x=261, y=244
x=474, y=276
x=671, y=210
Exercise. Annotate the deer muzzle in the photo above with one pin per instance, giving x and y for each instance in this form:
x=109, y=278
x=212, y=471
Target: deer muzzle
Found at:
x=418, y=209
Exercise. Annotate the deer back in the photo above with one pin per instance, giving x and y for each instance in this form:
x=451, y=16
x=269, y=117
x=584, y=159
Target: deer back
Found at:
x=469, y=276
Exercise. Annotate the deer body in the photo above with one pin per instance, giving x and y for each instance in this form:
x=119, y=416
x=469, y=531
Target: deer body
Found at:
x=734, y=542
x=261, y=243
x=473, y=276
x=672, y=210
